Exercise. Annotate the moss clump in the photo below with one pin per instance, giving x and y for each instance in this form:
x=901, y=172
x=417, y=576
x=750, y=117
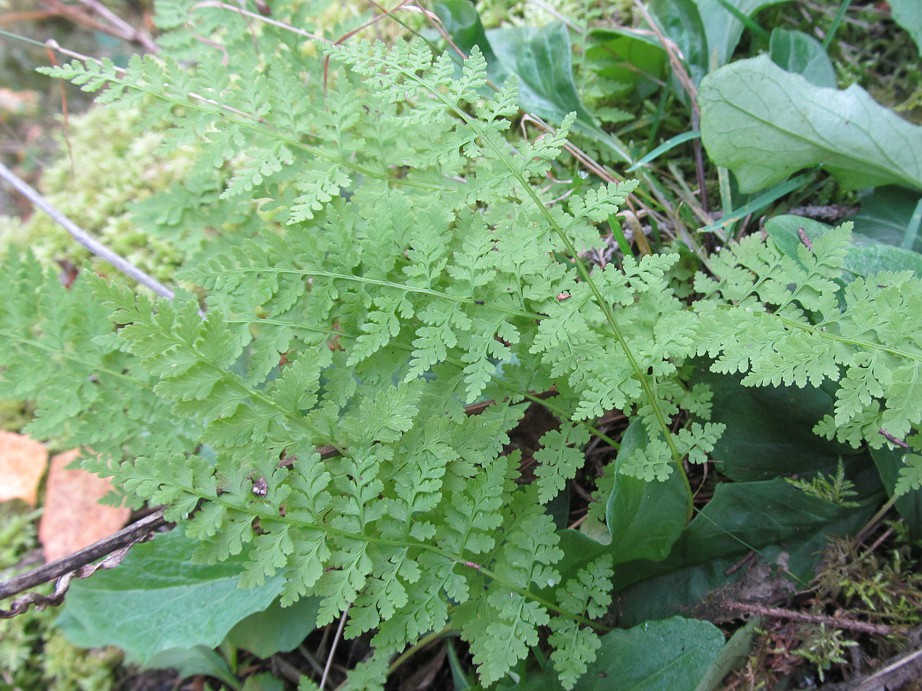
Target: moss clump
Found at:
x=108, y=168
x=33, y=655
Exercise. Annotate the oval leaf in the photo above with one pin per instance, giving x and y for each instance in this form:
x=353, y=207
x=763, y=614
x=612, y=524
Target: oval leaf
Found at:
x=645, y=518
x=673, y=654
x=765, y=123
x=800, y=53
x=157, y=599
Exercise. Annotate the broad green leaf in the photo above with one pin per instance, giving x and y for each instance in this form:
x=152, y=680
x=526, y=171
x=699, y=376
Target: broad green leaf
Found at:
x=644, y=518
x=785, y=232
x=540, y=60
x=674, y=654
x=869, y=257
x=664, y=595
x=764, y=123
x=889, y=462
x=680, y=20
x=769, y=429
x=907, y=14
x=463, y=24
x=754, y=515
x=144, y=605
x=732, y=656
x=866, y=256
x=276, y=629
x=629, y=61
x=886, y=214
x=263, y=682
x=723, y=27
x=786, y=527
x=706, y=31
x=743, y=516
x=192, y=661
x=795, y=51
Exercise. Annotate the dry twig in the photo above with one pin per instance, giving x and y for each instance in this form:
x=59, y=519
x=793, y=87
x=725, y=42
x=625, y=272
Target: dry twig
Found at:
x=79, y=565
x=84, y=238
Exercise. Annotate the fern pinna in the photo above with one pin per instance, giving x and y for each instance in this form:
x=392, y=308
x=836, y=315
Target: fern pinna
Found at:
x=408, y=263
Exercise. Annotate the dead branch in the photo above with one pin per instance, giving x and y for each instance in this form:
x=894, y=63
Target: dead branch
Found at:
x=79, y=565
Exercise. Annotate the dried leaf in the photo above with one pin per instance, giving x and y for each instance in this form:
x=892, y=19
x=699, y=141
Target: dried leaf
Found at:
x=22, y=464
x=73, y=518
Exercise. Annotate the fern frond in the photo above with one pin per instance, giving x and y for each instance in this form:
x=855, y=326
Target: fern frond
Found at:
x=399, y=259
x=788, y=325
x=910, y=477
x=58, y=350
x=503, y=626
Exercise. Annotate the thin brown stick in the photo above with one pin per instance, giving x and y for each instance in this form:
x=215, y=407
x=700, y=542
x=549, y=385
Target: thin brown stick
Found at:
x=8, y=18
x=792, y=615
x=123, y=539
x=120, y=26
x=889, y=437
x=439, y=26
x=678, y=69
x=336, y=639
x=673, y=53
x=349, y=34
x=897, y=674
x=84, y=238
x=587, y=161
x=104, y=21
x=699, y=162
x=259, y=18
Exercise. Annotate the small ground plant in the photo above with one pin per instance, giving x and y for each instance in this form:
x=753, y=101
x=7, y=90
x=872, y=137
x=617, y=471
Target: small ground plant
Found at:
x=380, y=274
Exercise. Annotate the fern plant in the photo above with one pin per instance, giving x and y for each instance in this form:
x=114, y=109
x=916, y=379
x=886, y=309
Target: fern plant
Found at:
x=408, y=262
x=409, y=275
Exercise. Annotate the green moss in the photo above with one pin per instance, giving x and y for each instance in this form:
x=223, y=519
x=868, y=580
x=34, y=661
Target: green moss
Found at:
x=104, y=168
x=33, y=655
x=67, y=668
x=13, y=415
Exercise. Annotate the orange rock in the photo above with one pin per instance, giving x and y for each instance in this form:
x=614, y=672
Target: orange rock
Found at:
x=22, y=464
x=73, y=518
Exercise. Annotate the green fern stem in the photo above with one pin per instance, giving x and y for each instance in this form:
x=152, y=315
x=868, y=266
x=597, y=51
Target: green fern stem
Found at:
x=61, y=352
x=390, y=284
x=820, y=330
x=419, y=645
x=546, y=403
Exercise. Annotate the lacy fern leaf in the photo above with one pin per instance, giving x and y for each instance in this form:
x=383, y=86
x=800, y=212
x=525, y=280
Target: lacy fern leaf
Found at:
x=574, y=646
x=786, y=320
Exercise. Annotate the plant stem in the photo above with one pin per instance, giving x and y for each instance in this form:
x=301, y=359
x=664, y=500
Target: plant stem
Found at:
x=836, y=23
x=416, y=647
